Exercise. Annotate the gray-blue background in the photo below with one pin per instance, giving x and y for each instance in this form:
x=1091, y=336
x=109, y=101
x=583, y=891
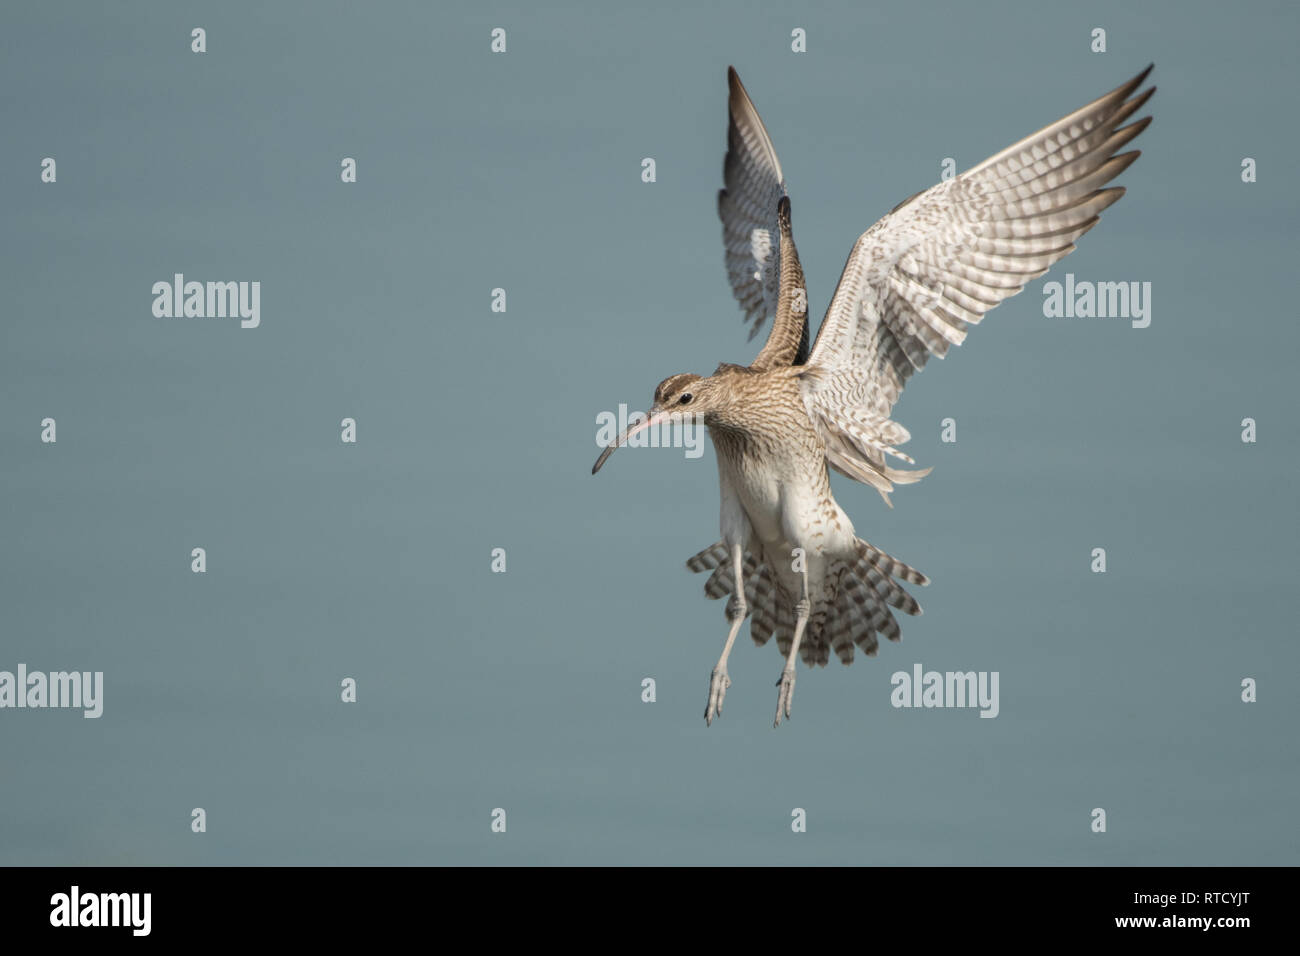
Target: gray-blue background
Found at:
x=477, y=430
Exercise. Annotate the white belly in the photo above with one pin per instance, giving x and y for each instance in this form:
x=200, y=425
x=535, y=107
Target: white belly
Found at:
x=785, y=515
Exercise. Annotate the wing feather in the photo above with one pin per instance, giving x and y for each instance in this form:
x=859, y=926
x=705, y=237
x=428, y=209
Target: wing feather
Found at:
x=758, y=242
x=917, y=280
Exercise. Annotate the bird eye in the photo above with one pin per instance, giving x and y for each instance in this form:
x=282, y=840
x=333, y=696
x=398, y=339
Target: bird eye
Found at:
x=685, y=399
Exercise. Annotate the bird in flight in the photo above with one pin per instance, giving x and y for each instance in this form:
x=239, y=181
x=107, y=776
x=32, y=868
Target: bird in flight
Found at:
x=914, y=284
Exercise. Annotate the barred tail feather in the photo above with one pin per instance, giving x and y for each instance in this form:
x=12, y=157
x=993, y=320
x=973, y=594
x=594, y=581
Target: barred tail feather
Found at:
x=760, y=591
x=867, y=590
x=711, y=557
x=863, y=590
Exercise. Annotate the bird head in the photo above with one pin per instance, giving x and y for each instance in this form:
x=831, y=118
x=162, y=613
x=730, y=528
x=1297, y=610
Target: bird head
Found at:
x=677, y=398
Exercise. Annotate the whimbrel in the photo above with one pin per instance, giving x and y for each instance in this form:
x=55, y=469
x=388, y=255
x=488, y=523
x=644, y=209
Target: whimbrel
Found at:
x=913, y=285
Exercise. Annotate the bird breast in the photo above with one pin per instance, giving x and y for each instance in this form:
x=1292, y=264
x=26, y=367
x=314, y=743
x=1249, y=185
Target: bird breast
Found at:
x=785, y=493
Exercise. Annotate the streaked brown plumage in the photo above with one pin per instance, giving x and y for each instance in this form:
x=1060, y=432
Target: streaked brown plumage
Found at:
x=913, y=285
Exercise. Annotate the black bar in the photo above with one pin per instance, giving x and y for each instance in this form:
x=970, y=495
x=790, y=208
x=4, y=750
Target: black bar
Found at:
x=332, y=904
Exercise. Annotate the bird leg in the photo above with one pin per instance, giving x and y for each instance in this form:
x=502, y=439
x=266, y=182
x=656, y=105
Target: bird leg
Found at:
x=737, y=611
x=785, y=697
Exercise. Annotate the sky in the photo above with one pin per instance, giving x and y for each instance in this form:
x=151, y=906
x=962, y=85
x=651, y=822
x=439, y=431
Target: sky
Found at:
x=478, y=691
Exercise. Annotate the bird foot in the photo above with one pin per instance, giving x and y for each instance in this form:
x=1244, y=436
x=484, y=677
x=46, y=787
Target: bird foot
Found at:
x=785, y=698
x=718, y=685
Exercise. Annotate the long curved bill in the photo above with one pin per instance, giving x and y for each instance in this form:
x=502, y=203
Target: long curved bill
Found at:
x=658, y=418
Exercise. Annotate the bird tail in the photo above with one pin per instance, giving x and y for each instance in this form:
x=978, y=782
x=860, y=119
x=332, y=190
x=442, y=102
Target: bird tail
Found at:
x=862, y=590
x=769, y=614
x=866, y=589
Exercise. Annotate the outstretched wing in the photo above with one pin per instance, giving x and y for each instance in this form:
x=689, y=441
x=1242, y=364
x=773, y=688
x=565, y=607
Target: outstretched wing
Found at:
x=762, y=262
x=920, y=277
